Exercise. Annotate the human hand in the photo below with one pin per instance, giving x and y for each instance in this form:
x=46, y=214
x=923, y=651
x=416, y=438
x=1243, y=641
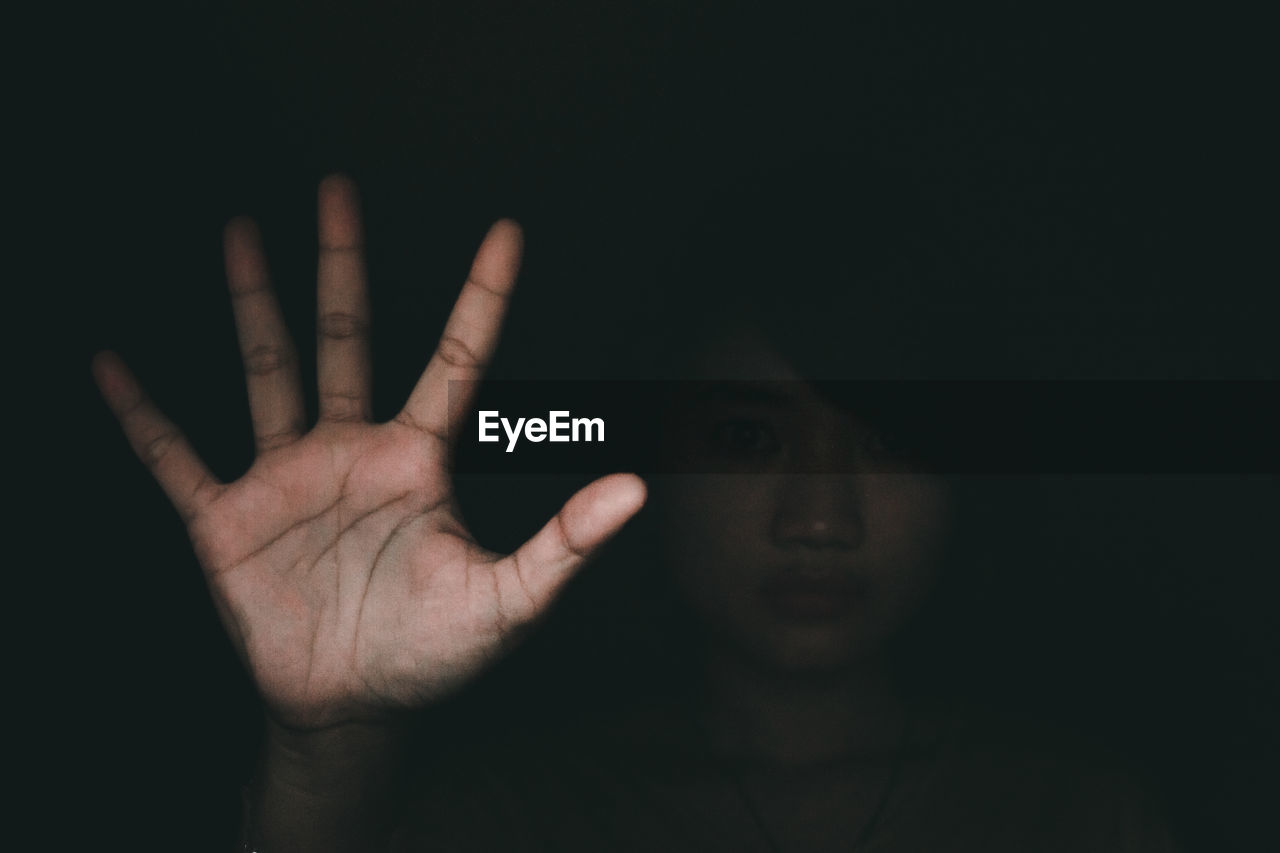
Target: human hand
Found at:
x=339, y=563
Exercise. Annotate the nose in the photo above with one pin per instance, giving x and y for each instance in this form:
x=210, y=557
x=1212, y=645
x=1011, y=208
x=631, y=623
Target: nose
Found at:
x=817, y=511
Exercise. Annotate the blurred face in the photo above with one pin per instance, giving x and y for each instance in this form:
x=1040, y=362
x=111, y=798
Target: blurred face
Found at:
x=810, y=544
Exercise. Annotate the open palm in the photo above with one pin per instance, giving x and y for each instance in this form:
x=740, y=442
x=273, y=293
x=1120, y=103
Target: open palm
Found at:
x=339, y=562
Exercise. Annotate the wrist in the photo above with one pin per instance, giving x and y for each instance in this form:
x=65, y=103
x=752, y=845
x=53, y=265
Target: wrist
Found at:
x=333, y=789
x=346, y=744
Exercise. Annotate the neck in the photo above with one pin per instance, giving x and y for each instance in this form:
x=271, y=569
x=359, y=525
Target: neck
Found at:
x=756, y=714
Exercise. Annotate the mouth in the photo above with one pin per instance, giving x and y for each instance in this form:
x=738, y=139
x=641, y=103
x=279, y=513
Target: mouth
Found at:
x=808, y=599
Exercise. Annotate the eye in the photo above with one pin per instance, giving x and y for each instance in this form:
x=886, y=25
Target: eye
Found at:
x=891, y=446
x=745, y=437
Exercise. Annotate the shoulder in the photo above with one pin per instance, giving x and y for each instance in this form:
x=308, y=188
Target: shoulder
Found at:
x=1002, y=774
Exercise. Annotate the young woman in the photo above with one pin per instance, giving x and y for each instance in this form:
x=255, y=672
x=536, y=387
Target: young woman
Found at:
x=355, y=595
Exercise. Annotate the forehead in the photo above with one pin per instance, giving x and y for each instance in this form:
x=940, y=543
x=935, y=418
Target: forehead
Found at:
x=739, y=353
x=741, y=367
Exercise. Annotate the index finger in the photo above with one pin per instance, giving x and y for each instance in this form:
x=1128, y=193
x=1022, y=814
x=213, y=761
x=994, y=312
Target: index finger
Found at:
x=470, y=335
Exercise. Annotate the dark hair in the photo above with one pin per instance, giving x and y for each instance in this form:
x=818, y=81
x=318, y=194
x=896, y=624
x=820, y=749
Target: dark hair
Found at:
x=848, y=267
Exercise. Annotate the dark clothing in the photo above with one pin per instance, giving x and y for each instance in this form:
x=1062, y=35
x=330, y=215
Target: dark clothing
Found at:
x=963, y=782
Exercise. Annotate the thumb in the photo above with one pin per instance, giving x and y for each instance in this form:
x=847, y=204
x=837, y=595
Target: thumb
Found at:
x=588, y=520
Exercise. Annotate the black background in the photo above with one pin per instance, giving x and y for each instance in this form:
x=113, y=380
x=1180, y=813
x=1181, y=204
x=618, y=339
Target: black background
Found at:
x=1106, y=159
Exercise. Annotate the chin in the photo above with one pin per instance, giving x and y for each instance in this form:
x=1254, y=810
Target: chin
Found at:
x=815, y=650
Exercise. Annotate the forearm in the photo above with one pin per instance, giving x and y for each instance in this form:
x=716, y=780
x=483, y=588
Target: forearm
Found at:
x=329, y=792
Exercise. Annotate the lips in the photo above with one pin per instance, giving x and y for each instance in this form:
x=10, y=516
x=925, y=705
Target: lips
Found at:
x=802, y=598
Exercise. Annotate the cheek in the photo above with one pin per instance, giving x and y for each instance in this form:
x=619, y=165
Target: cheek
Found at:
x=715, y=532
x=908, y=521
